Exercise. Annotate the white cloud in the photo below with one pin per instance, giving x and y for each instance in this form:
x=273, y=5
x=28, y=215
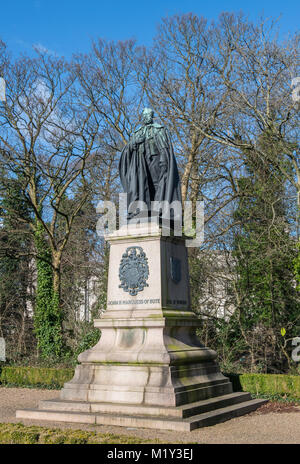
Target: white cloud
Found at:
x=36, y=46
x=42, y=49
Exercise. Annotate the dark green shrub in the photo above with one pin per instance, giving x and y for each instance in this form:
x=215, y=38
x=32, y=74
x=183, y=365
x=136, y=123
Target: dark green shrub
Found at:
x=283, y=385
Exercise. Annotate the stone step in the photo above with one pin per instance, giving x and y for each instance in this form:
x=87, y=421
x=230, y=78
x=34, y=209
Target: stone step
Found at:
x=64, y=405
x=166, y=423
x=184, y=411
x=212, y=404
x=56, y=416
x=224, y=414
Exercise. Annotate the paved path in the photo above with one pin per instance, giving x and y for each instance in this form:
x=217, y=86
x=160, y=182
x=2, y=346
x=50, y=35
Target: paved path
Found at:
x=254, y=428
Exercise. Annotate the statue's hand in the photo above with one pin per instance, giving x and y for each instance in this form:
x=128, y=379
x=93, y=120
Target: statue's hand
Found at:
x=140, y=139
x=135, y=141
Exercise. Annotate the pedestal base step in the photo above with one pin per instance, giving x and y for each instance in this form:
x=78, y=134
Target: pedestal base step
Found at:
x=181, y=418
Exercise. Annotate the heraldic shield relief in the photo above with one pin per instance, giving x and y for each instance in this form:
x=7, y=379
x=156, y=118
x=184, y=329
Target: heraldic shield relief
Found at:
x=134, y=270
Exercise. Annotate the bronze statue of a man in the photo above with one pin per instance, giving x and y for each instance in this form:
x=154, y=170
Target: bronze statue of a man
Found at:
x=148, y=168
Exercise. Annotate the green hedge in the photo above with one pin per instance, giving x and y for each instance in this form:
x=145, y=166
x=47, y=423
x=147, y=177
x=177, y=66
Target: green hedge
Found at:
x=267, y=384
x=258, y=384
x=35, y=376
x=20, y=434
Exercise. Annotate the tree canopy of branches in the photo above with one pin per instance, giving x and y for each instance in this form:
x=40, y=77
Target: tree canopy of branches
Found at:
x=223, y=89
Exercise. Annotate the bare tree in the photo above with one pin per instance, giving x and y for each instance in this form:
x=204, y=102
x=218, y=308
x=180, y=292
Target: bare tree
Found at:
x=255, y=71
x=179, y=82
x=49, y=133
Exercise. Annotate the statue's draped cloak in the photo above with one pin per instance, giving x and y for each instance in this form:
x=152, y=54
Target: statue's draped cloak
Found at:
x=134, y=167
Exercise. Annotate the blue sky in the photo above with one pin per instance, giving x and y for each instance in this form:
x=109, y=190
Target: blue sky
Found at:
x=68, y=26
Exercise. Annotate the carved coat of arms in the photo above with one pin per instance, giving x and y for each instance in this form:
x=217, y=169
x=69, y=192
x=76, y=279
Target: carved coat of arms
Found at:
x=134, y=270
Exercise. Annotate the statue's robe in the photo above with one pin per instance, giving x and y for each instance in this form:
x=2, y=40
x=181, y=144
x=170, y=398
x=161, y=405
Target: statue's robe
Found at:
x=148, y=169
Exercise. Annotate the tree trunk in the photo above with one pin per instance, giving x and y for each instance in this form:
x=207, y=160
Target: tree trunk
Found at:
x=56, y=264
x=196, y=141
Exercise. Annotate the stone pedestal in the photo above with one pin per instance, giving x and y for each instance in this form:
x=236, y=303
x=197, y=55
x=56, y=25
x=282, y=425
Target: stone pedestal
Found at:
x=149, y=368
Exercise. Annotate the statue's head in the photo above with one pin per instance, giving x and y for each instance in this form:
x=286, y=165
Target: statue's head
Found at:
x=147, y=115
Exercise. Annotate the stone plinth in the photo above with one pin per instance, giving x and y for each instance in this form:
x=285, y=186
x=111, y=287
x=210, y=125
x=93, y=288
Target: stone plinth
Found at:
x=149, y=368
